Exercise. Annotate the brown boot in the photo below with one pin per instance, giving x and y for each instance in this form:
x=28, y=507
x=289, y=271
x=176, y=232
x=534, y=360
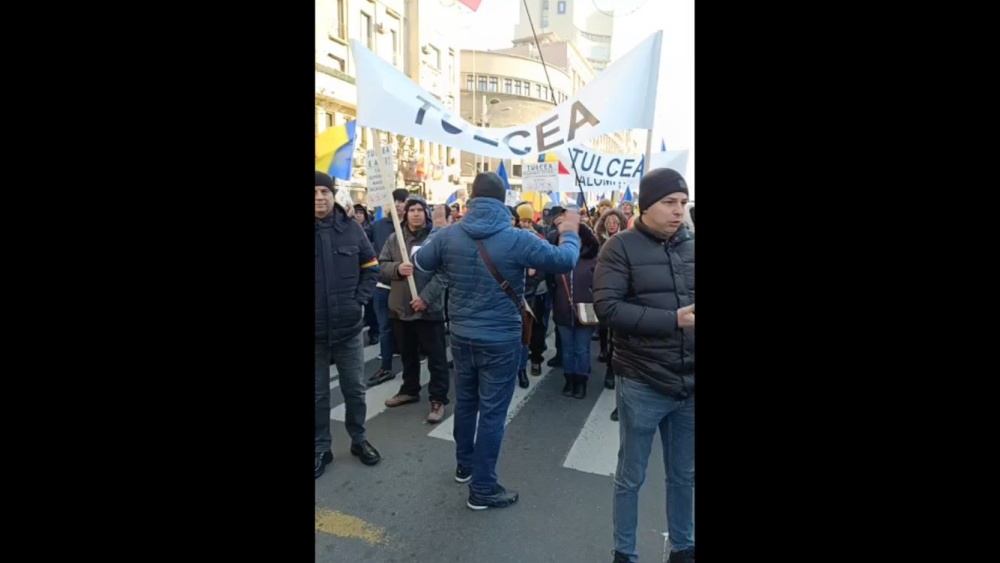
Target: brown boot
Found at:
x=437, y=412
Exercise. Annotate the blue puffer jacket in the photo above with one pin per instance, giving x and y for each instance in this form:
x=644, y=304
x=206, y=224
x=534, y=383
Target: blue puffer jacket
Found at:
x=477, y=307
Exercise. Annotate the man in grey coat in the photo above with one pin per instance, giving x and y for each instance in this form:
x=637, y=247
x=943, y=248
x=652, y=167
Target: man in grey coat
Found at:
x=418, y=322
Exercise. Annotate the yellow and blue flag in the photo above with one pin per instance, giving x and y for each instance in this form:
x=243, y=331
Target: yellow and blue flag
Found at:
x=335, y=150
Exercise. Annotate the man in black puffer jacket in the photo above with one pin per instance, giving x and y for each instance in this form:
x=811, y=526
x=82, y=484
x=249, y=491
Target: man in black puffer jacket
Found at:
x=644, y=290
x=346, y=269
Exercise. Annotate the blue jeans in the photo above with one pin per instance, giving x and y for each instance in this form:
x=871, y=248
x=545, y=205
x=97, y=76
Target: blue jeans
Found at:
x=641, y=410
x=384, y=326
x=485, y=373
x=576, y=349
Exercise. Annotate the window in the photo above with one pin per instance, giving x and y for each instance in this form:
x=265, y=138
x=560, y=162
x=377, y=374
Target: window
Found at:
x=339, y=28
x=507, y=88
x=395, y=46
x=493, y=84
x=366, y=30
x=600, y=52
x=545, y=21
x=538, y=91
x=545, y=93
x=469, y=82
x=517, y=87
x=331, y=120
x=561, y=6
x=435, y=57
x=338, y=63
x=515, y=170
x=527, y=88
x=451, y=66
x=545, y=4
x=482, y=84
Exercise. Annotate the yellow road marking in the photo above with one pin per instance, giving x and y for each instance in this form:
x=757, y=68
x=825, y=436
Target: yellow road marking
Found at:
x=344, y=526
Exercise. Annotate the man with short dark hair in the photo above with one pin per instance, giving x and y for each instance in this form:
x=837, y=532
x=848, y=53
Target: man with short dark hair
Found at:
x=346, y=269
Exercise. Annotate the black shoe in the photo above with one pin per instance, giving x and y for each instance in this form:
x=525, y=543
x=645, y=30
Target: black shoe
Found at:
x=609, y=380
x=368, y=454
x=499, y=498
x=555, y=362
x=614, y=414
x=686, y=556
x=536, y=368
x=603, y=357
x=619, y=557
x=568, y=388
x=463, y=474
x=522, y=379
x=580, y=386
x=380, y=377
x=321, y=461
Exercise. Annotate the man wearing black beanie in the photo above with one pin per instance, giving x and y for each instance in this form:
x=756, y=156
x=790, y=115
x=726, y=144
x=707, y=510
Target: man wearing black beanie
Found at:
x=644, y=290
x=346, y=270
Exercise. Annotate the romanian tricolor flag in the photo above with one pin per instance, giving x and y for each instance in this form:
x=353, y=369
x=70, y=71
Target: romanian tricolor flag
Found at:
x=335, y=150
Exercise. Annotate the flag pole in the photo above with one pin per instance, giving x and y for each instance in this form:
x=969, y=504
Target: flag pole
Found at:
x=390, y=180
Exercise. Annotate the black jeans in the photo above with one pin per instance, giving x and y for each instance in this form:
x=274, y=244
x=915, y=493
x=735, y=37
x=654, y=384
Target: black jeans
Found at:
x=428, y=336
x=537, y=346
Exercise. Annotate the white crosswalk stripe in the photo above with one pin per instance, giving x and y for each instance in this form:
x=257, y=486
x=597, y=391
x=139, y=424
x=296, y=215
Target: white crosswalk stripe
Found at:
x=595, y=449
x=376, y=396
x=446, y=429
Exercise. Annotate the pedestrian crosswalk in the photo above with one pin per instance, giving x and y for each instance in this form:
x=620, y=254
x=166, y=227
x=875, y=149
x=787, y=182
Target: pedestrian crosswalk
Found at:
x=593, y=451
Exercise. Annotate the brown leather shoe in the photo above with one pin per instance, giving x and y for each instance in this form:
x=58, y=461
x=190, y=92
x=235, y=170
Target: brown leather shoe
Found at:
x=437, y=412
x=401, y=399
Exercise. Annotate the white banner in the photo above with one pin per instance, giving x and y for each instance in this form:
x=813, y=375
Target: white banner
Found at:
x=596, y=171
x=622, y=97
x=604, y=172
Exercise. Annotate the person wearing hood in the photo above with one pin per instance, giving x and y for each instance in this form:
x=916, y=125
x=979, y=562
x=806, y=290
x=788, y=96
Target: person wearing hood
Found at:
x=576, y=287
x=363, y=218
x=609, y=225
x=418, y=321
x=486, y=321
x=555, y=217
x=627, y=210
x=346, y=269
x=534, y=294
x=381, y=230
x=644, y=289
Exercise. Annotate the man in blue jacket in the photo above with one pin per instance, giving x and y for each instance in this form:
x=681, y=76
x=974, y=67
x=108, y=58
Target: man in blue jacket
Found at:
x=486, y=322
x=346, y=269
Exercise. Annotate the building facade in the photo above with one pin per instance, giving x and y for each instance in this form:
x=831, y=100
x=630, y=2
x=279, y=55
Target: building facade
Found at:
x=580, y=22
x=413, y=35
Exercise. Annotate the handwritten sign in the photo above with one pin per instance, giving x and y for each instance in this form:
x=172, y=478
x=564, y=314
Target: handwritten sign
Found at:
x=540, y=177
x=380, y=185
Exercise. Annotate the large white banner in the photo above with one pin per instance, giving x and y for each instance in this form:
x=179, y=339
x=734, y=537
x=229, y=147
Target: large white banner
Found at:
x=601, y=172
x=623, y=96
x=605, y=172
